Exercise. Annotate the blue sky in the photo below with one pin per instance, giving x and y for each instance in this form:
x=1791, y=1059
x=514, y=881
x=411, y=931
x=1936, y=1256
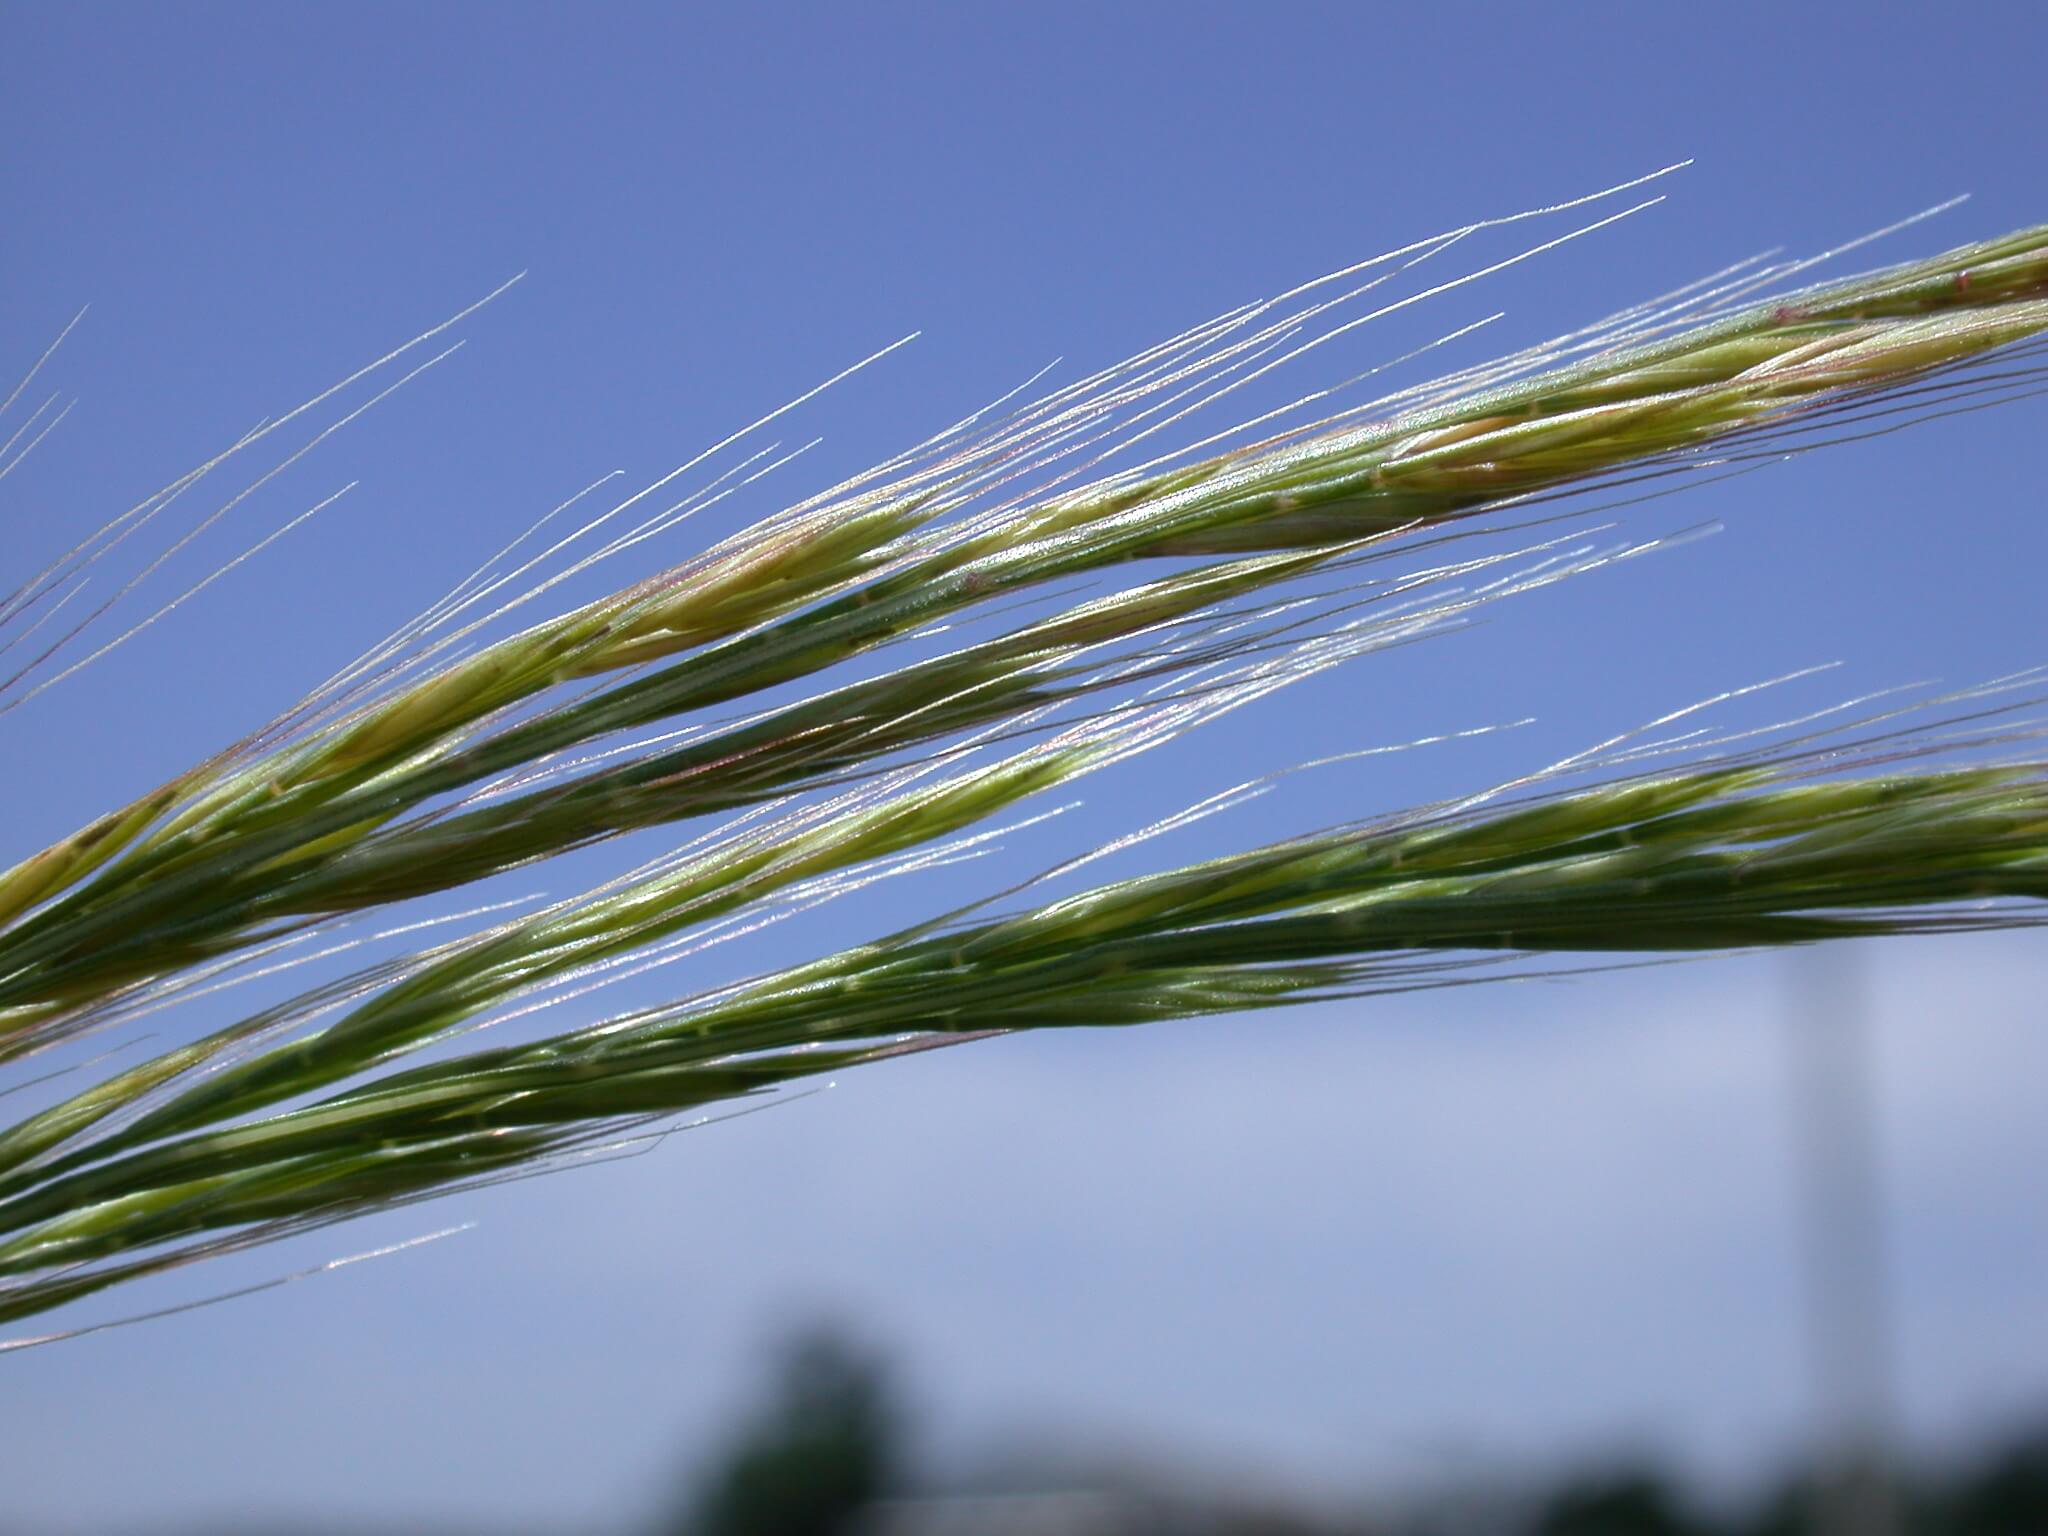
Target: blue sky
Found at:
x=1339, y=1248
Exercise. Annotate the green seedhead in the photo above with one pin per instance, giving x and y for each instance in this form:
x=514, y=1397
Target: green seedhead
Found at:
x=857, y=750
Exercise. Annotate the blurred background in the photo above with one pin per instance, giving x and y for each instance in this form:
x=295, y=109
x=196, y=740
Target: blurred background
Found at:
x=1746, y=1244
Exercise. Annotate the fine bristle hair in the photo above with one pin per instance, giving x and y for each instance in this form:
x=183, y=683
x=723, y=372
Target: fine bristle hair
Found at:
x=894, y=674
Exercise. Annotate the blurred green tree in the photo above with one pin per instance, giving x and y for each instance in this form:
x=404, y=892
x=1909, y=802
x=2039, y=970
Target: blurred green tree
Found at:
x=827, y=1445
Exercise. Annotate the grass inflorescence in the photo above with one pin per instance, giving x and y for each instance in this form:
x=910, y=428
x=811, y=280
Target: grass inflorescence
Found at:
x=445, y=758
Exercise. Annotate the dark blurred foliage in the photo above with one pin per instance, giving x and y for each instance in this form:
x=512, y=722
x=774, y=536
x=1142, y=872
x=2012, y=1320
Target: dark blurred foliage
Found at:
x=1632, y=1504
x=2010, y=1494
x=2002, y=1494
x=826, y=1446
x=826, y=1454
x=827, y=1457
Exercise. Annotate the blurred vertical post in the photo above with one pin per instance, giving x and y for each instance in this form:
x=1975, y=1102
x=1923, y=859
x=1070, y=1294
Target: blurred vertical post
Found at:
x=1848, y=1304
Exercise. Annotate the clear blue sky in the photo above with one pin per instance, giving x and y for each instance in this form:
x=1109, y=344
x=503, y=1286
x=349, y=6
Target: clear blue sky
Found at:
x=1364, y=1244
